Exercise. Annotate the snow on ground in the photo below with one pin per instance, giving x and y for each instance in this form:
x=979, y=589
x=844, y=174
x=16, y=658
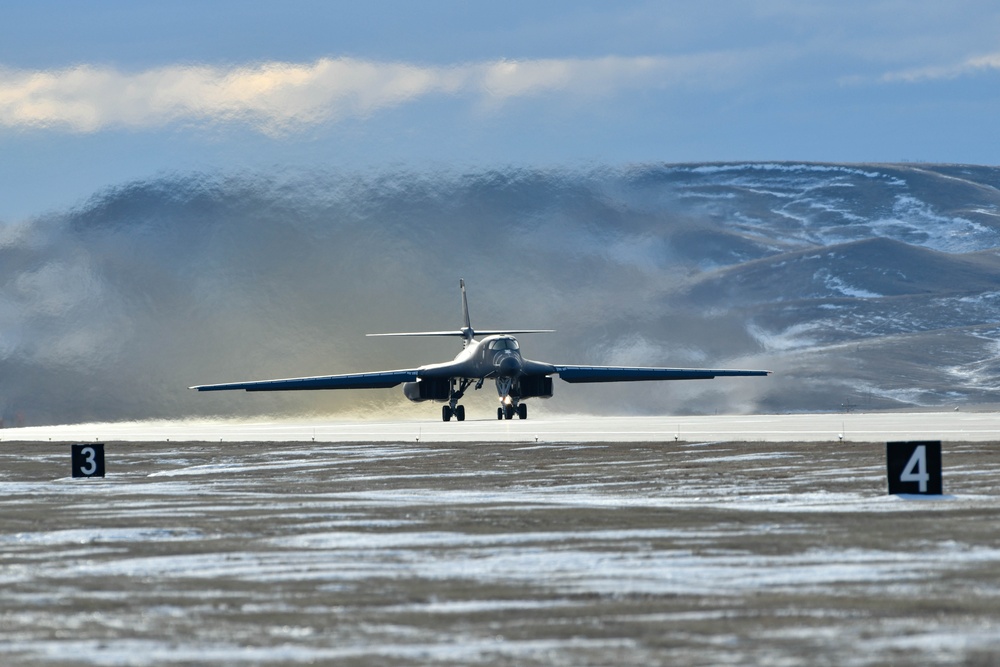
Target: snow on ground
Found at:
x=705, y=552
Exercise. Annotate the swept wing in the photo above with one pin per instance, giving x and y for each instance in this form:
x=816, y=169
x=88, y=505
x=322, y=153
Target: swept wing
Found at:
x=386, y=379
x=639, y=373
x=380, y=380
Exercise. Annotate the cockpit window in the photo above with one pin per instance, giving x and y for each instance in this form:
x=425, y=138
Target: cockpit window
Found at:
x=504, y=344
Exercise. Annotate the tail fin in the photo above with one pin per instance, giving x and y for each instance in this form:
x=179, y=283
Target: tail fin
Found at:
x=466, y=332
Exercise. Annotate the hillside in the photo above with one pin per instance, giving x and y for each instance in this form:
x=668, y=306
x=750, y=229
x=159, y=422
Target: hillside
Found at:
x=869, y=285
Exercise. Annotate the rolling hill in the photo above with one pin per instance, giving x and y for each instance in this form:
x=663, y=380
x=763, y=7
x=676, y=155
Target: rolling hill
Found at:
x=868, y=285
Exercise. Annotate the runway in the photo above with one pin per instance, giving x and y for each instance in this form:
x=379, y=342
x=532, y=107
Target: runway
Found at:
x=826, y=427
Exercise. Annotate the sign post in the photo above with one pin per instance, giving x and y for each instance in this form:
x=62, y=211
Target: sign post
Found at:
x=914, y=467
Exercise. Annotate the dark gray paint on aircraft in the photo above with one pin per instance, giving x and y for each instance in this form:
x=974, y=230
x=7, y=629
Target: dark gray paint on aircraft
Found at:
x=496, y=357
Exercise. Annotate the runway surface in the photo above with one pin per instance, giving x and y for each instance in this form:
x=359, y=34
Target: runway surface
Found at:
x=853, y=427
x=699, y=552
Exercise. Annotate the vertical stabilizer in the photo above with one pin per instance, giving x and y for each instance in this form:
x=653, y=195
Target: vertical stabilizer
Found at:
x=467, y=332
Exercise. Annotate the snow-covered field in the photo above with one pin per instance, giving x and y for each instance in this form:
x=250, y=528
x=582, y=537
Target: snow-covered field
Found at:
x=495, y=553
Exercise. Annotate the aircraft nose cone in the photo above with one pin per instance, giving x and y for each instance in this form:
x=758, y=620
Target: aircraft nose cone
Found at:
x=509, y=366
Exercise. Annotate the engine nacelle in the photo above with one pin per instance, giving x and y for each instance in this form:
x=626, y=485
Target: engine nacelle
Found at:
x=428, y=389
x=534, y=386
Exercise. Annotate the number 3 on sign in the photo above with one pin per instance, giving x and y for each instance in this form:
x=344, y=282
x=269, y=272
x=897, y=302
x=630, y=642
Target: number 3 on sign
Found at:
x=916, y=468
x=88, y=460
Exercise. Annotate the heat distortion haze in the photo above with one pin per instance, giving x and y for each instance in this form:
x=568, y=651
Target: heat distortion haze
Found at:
x=861, y=286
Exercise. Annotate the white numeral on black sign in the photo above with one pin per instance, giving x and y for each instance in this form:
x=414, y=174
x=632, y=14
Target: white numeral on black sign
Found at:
x=916, y=469
x=90, y=459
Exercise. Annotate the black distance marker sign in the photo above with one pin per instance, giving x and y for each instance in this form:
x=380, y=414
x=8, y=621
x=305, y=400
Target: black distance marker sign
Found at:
x=914, y=467
x=88, y=460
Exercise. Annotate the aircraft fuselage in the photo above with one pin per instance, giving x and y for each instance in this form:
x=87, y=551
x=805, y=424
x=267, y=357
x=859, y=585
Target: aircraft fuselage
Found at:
x=497, y=358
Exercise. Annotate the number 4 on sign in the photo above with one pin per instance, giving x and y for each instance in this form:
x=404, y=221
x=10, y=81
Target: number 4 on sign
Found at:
x=914, y=467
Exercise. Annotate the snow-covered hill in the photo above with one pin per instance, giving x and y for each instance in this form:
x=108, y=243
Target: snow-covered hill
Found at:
x=871, y=285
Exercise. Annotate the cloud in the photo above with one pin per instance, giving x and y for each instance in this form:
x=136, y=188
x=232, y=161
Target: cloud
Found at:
x=970, y=66
x=269, y=95
x=277, y=97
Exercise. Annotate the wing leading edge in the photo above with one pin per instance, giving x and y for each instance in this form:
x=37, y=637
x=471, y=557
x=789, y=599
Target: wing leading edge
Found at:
x=387, y=379
x=380, y=380
x=636, y=374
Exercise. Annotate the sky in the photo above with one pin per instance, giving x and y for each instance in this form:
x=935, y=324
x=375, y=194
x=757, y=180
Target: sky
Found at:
x=96, y=94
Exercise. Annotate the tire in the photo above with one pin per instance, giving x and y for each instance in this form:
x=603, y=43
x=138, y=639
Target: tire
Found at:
x=460, y=413
x=446, y=413
x=499, y=413
x=522, y=411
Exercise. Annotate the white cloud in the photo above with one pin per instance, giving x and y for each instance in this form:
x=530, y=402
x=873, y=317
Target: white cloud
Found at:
x=269, y=95
x=969, y=66
x=276, y=96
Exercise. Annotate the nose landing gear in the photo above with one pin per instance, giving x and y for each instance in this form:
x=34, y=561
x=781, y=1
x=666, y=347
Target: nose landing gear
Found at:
x=509, y=405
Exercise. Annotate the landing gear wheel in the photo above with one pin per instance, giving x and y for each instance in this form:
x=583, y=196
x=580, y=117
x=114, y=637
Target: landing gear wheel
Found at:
x=446, y=413
x=508, y=412
x=522, y=411
x=460, y=413
x=499, y=413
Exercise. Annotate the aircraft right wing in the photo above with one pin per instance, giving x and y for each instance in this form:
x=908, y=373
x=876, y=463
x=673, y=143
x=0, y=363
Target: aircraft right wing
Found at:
x=379, y=380
x=634, y=374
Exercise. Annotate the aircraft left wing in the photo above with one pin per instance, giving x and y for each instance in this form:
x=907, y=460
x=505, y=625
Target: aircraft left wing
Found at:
x=379, y=380
x=634, y=374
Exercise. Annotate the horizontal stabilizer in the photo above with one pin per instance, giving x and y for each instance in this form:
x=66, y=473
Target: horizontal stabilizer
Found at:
x=453, y=332
x=464, y=333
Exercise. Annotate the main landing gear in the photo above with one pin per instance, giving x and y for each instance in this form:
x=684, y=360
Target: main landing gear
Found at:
x=458, y=411
x=508, y=411
x=453, y=409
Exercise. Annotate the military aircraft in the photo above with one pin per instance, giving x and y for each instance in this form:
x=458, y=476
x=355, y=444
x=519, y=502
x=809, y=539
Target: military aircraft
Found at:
x=496, y=357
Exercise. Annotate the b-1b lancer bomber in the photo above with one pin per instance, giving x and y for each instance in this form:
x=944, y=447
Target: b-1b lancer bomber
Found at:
x=495, y=357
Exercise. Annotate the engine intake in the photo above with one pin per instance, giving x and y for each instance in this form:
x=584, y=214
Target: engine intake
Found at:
x=534, y=386
x=428, y=389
